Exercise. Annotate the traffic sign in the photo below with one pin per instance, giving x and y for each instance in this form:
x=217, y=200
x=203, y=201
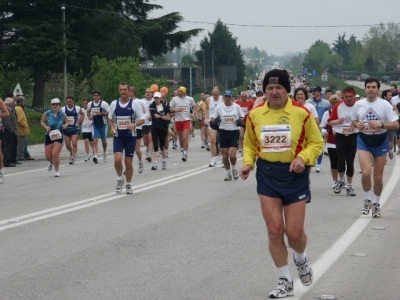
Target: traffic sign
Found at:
x=18, y=90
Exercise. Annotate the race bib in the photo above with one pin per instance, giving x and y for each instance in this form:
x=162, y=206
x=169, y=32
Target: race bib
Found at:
x=228, y=120
x=184, y=108
x=55, y=135
x=94, y=110
x=71, y=121
x=123, y=122
x=347, y=129
x=276, y=138
x=245, y=110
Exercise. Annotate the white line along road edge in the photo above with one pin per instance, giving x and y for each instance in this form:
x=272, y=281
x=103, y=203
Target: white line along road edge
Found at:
x=325, y=261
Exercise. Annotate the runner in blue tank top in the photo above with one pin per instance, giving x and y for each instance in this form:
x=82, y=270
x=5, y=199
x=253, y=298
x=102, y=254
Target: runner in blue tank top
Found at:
x=125, y=114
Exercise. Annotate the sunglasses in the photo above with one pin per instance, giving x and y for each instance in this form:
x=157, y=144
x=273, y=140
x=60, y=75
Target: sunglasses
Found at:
x=55, y=104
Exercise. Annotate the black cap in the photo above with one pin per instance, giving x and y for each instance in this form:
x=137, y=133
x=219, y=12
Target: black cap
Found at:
x=279, y=77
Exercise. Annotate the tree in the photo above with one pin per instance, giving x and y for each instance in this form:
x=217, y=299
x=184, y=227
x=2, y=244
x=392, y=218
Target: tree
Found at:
x=225, y=48
x=320, y=57
x=188, y=61
x=31, y=34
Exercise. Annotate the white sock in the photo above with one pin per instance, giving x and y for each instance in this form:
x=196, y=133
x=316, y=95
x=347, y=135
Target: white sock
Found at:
x=234, y=167
x=284, y=272
x=184, y=152
x=299, y=257
x=120, y=178
x=368, y=195
x=377, y=199
x=343, y=179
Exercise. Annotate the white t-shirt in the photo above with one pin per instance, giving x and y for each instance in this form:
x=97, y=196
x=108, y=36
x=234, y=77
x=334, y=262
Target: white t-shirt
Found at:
x=379, y=110
x=146, y=104
x=213, y=105
x=86, y=124
x=395, y=100
x=324, y=124
x=186, y=103
x=312, y=110
x=346, y=112
x=229, y=115
x=136, y=109
x=145, y=111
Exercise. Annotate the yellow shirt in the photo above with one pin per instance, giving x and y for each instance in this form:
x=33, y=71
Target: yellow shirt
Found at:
x=306, y=140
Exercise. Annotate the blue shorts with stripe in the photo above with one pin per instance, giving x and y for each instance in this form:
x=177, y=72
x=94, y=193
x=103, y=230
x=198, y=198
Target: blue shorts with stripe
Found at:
x=275, y=180
x=375, y=150
x=127, y=144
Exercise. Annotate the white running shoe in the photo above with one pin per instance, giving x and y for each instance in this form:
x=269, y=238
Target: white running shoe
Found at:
x=228, y=177
x=50, y=167
x=140, y=167
x=235, y=174
x=154, y=167
x=120, y=183
x=213, y=163
x=305, y=272
x=184, y=157
x=283, y=289
x=164, y=165
x=128, y=188
x=87, y=158
x=57, y=174
x=318, y=169
x=105, y=157
x=376, y=210
x=367, y=206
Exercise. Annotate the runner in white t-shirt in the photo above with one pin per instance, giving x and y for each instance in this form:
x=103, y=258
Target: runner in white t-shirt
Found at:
x=87, y=131
x=181, y=105
x=373, y=116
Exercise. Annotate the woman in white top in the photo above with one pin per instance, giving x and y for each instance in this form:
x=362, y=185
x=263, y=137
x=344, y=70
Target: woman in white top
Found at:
x=301, y=95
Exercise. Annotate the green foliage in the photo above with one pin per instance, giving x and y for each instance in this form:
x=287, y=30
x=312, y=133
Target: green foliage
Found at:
x=320, y=57
x=108, y=74
x=33, y=116
x=226, y=50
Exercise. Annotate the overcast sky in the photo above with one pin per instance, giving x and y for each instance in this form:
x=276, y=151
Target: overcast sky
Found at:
x=279, y=41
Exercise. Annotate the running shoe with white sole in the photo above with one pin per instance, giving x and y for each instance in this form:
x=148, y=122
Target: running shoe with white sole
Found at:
x=367, y=206
x=202, y=146
x=57, y=174
x=50, y=167
x=164, y=165
x=95, y=160
x=184, y=157
x=350, y=191
x=120, y=183
x=154, y=167
x=376, y=210
x=140, y=168
x=213, y=163
x=71, y=160
x=305, y=272
x=283, y=289
x=318, y=170
x=128, y=188
x=334, y=184
x=235, y=174
x=87, y=158
x=174, y=146
x=105, y=157
x=228, y=177
x=338, y=187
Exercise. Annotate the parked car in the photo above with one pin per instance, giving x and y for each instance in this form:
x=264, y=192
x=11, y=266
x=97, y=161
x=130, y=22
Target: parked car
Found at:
x=385, y=79
x=364, y=76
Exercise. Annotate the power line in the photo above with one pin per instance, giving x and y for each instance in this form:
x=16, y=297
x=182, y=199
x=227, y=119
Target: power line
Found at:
x=213, y=23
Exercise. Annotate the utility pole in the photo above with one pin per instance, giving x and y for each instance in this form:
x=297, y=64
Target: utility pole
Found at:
x=204, y=71
x=65, y=53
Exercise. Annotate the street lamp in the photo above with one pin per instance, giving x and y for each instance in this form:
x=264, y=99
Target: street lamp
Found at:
x=65, y=52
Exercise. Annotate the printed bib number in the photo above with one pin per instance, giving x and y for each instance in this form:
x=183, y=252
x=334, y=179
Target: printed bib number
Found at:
x=94, y=111
x=55, y=135
x=347, y=129
x=123, y=122
x=71, y=121
x=276, y=138
x=184, y=108
x=228, y=120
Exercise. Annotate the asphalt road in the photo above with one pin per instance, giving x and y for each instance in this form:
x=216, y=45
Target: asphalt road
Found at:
x=183, y=234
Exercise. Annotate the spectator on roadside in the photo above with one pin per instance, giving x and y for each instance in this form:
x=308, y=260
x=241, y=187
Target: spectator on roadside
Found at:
x=23, y=130
x=3, y=113
x=10, y=138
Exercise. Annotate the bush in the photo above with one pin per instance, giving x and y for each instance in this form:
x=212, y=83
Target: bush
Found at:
x=33, y=116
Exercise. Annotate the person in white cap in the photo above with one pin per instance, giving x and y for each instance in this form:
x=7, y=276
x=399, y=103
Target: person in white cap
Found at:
x=54, y=121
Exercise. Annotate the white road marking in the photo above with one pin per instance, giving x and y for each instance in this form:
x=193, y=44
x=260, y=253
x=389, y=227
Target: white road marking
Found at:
x=327, y=259
x=63, y=209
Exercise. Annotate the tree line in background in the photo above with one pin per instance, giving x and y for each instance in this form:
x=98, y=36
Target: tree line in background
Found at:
x=106, y=40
